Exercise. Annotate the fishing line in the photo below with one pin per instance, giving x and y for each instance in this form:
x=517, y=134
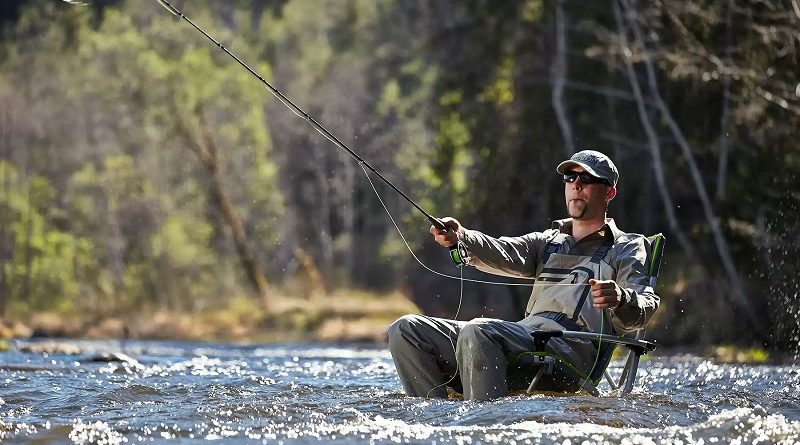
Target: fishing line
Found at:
x=450, y=337
x=338, y=143
x=461, y=278
x=364, y=166
x=461, y=287
x=302, y=114
x=602, y=324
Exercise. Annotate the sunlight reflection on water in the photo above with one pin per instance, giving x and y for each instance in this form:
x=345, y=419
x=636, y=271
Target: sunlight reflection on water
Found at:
x=312, y=393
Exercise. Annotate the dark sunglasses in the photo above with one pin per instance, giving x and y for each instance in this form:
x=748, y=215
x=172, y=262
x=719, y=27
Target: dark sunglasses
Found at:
x=586, y=178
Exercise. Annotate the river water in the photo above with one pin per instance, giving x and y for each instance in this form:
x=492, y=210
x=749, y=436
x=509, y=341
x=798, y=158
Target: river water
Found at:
x=292, y=394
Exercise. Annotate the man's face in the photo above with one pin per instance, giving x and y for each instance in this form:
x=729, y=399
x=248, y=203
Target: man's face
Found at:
x=587, y=201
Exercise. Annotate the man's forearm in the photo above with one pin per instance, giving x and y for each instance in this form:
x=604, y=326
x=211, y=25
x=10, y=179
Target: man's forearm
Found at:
x=635, y=309
x=511, y=256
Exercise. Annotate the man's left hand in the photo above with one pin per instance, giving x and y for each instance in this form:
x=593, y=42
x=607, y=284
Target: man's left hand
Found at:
x=606, y=294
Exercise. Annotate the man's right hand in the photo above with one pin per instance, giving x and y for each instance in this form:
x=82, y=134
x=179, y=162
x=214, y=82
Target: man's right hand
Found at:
x=451, y=235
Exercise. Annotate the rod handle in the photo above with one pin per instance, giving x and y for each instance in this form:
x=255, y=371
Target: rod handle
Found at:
x=458, y=251
x=437, y=223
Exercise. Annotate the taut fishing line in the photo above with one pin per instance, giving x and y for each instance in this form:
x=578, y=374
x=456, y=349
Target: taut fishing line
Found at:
x=459, y=278
x=302, y=114
x=332, y=138
x=461, y=288
x=365, y=166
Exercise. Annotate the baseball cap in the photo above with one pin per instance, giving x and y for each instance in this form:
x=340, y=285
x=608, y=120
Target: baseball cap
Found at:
x=594, y=162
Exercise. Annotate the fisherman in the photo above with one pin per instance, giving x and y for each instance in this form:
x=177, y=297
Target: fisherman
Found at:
x=589, y=276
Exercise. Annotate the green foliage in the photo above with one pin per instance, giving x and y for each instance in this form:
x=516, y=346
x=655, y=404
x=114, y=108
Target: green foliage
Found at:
x=183, y=243
x=106, y=203
x=41, y=268
x=501, y=90
x=136, y=205
x=733, y=354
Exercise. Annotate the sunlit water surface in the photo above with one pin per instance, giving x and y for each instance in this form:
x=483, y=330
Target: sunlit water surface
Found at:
x=190, y=392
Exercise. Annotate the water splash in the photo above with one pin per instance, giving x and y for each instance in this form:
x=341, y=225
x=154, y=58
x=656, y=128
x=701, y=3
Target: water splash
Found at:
x=313, y=394
x=781, y=253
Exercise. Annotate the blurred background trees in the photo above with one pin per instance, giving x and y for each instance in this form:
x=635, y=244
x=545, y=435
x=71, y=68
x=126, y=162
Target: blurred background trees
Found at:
x=141, y=167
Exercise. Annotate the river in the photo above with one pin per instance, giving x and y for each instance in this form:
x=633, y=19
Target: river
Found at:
x=178, y=392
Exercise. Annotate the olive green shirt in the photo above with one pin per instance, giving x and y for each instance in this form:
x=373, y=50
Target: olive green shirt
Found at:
x=625, y=263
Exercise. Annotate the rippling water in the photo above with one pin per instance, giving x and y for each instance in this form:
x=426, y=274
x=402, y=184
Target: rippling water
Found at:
x=290, y=394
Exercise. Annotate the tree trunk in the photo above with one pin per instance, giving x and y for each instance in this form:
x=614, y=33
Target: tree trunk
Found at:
x=652, y=141
x=115, y=244
x=321, y=216
x=724, y=136
x=237, y=229
x=4, y=287
x=256, y=11
x=616, y=149
x=206, y=152
x=734, y=280
x=559, y=76
x=28, y=251
x=6, y=253
x=349, y=218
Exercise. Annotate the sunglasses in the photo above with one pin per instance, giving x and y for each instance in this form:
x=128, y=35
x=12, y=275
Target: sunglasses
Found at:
x=586, y=178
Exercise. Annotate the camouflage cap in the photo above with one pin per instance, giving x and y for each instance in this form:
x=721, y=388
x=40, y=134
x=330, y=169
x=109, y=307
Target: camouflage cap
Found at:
x=594, y=162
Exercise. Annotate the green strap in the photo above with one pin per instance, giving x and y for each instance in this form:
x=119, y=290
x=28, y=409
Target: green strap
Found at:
x=656, y=252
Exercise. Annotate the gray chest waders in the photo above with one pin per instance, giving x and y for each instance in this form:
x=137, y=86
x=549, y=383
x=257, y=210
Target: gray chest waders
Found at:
x=561, y=289
x=560, y=295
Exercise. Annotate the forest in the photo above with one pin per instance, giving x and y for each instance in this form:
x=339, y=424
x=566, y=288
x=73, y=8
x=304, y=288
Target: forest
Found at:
x=142, y=170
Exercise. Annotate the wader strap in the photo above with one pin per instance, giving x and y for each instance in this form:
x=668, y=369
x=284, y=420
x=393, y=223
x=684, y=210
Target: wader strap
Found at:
x=552, y=247
x=599, y=254
x=562, y=319
x=601, y=251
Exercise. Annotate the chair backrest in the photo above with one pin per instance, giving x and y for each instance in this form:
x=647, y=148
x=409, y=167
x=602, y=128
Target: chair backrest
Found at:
x=656, y=242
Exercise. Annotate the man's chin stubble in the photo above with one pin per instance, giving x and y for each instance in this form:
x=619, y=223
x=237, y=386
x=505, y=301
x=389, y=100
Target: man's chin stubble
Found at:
x=577, y=214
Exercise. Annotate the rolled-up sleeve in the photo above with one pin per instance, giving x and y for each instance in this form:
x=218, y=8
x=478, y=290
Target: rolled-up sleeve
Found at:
x=639, y=299
x=516, y=256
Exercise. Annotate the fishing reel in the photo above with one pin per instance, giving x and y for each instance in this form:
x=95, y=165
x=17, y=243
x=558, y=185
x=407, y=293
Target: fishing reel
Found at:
x=458, y=253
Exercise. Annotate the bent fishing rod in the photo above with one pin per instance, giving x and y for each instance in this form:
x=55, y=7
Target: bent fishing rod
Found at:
x=455, y=253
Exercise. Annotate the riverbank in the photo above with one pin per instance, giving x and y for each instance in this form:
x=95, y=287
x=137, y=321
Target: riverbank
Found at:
x=341, y=316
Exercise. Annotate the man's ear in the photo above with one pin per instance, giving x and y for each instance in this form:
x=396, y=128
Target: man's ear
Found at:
x=611, y=193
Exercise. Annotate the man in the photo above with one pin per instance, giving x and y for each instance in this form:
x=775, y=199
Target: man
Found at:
x=589, y=275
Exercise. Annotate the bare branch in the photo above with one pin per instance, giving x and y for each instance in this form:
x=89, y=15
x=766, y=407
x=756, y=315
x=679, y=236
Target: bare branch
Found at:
x=724, y=136
x=600, y=90
x=777, y=100
x=652, y=140
x=206, y=150
x=735, y=282
x=559, y=75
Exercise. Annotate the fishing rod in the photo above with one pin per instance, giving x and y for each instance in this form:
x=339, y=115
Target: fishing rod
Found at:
x=457, y=252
